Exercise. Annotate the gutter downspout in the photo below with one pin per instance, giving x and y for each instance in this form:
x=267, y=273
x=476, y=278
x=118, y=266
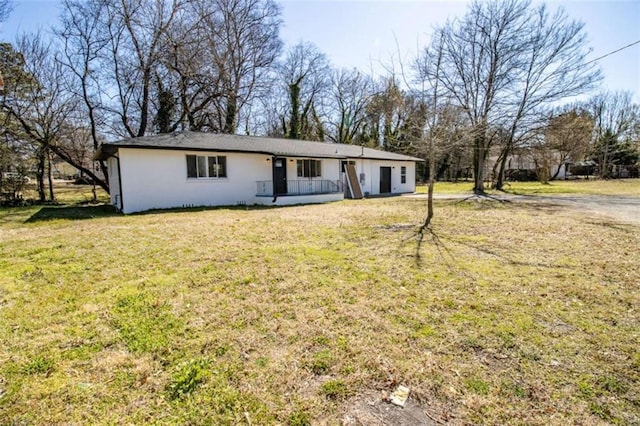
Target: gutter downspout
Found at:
x=120, y=183
x=273, y=178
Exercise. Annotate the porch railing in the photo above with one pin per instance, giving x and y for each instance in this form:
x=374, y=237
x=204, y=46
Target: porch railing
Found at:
x=301, y=187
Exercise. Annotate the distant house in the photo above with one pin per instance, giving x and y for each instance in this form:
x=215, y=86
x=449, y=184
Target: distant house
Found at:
x=205, y=169
x=524, y=165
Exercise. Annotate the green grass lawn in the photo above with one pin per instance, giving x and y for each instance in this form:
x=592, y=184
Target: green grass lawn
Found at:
x=521, y=314
x=587, y=187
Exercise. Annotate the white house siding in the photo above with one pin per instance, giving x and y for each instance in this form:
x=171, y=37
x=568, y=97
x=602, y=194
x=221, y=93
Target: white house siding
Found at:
x=155, y=179
x=371, y=170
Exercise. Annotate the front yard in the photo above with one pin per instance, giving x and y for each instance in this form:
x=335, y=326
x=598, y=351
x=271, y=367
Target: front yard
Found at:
x=521, y=314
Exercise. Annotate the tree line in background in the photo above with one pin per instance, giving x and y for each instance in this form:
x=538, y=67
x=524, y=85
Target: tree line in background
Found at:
x=491, y=86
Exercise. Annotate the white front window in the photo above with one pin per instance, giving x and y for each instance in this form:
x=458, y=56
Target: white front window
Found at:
x=309, y=168
x=200, y=166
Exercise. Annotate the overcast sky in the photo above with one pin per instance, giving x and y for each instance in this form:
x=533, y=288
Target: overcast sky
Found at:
x=369, y=33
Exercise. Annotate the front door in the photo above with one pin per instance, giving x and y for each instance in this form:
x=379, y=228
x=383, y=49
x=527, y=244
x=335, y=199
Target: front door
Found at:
x=385, y=180
x=279, y=176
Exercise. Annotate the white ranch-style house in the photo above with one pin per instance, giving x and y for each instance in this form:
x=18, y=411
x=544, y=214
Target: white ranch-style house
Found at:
x=187, y=169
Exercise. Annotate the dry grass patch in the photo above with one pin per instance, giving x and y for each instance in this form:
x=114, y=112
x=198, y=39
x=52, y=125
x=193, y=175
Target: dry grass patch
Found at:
x=286, y=316
x=581, y=186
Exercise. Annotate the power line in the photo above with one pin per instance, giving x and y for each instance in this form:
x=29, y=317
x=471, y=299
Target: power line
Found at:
x=611, y=53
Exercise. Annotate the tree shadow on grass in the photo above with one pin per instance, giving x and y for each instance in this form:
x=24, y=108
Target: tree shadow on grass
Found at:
x=484, y=199
x=81, y=212
x=193, y=209
x=73, y=212
x=498, y=251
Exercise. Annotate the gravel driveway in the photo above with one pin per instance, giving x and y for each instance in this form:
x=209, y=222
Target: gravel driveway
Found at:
x=619, y=208
x=616, y=207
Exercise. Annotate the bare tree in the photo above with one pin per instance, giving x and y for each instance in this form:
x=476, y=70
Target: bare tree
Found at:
x=616, y=112
x=83, y=41
x=244, y=44
x=388, y=112
x=270, y=112
x=41, y=105
x=16, y=151
x=187, y=79
x=113, y=49
x=617, y=129
x=12, y=65
x=25, y=103
x=351, y=92
x=566, y=137
x=136, y=30
x=305, y=72
x=439, y=124
x=6, y=7
x=503, y=63
x=162, y=65
x=553, y=67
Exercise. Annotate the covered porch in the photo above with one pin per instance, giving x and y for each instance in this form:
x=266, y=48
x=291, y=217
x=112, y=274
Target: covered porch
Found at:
x=265, y=188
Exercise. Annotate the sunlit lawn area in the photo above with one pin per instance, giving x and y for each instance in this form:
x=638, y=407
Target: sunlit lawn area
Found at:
x=66, y=192
x=591, y=187
x=521, y=314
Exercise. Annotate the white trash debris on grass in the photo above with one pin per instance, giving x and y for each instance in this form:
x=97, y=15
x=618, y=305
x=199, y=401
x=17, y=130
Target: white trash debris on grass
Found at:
x=399, y=396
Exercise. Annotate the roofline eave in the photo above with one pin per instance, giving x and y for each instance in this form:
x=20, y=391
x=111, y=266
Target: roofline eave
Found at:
x=106, y=153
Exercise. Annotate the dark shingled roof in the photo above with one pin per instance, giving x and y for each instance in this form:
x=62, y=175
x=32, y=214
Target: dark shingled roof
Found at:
x=197, y=141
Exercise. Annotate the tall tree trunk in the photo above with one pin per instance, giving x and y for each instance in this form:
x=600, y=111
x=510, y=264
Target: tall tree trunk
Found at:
x=40, y=158
x=166, y=109
x=501, y=169
x=52, y=198
x=294, y=125
x=456, y=169
x=318, y=125
x=445, y=167
x=544, y=172
x=479, y=164
x=432, y=179
x=230, y=115
x=604, y=171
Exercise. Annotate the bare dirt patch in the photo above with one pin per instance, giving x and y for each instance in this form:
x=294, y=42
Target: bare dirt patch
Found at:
x=373, y=410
